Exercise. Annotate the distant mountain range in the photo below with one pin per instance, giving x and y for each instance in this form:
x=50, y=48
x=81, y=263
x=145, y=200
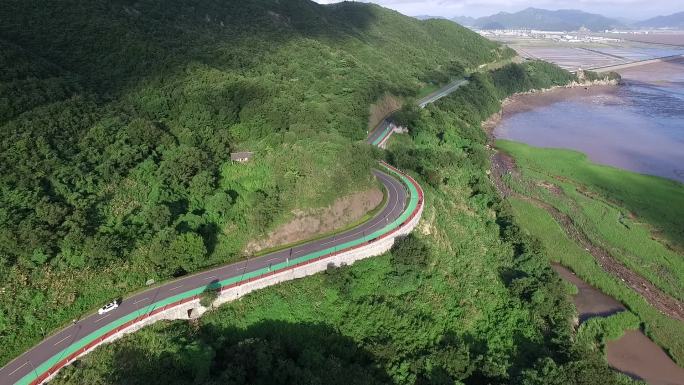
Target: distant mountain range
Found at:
x=465, y=20
x=676, y=20
x=542, y=19
x=563, y=20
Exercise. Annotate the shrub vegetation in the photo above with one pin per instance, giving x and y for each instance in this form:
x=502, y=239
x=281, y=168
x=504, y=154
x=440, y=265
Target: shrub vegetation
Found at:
x=466, y=298
x=117, y=119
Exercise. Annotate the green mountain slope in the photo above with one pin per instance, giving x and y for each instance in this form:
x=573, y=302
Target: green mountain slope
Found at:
x=467, y=298
x=117, y=119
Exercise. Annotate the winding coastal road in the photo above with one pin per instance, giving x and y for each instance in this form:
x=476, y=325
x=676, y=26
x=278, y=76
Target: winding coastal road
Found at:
x=442, y=92
x=27, y=363
x=384, y=129
x=33, y=366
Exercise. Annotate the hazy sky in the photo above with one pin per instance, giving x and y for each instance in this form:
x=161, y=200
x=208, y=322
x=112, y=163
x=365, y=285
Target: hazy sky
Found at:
x=634, y=9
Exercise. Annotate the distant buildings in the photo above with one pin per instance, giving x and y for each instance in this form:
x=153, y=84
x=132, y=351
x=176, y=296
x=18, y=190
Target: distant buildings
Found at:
x=583, y=35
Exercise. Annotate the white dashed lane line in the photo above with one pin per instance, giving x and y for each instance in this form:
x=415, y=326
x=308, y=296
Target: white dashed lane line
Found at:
x=62, y=340
x=15, y=370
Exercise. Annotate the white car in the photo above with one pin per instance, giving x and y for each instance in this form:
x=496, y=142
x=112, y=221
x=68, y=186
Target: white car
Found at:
x=108, y=307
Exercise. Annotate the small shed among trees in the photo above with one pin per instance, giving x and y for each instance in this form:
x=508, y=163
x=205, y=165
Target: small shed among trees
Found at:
x=242, y=157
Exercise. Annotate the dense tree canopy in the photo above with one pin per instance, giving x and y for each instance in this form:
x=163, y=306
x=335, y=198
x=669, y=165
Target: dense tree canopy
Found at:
x=467, y=298
x=117, y=120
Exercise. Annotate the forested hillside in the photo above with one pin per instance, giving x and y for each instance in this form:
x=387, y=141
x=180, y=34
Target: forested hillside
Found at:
x=467, y=298
x=117, y=119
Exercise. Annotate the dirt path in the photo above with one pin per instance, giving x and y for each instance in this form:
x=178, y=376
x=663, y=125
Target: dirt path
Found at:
x=503, y=165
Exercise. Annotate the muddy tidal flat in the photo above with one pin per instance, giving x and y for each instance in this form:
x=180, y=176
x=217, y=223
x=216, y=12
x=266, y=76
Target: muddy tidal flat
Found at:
x=638, y=126
x=637, y=356
x=589, y=301
x=633, y=354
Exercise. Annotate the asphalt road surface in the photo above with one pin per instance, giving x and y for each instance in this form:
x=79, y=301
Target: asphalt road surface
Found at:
x=382, y=129
x=53, y=345
x=442, y=92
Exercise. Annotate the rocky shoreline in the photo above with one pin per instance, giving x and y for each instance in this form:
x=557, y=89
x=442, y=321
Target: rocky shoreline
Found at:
x=523, y=101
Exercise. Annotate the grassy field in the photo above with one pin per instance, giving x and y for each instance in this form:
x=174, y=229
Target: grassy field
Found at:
x=637, y=218
x=657, y=201
x=665, y=331
x=634, y=217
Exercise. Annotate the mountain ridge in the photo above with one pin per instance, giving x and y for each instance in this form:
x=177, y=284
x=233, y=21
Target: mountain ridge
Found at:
x=118, y=118
x=675, y=20
x=565, y=20
x=542, y=19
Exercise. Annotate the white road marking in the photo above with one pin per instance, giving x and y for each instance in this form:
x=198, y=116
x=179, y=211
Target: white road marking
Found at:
x=329, y=242
x=394, y=205
x=140, y=300
x=62, y=340
x=101, y=318
x=174, y=288
x=212, y=277
x=14, y=371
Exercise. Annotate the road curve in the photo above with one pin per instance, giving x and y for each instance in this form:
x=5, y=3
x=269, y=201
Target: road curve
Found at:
x=383, y=130
x=442, y=92
x=41, y=360
x=26, y=367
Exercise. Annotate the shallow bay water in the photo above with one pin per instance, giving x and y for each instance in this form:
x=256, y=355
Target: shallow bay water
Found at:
x=638, y=126
x=637, y=356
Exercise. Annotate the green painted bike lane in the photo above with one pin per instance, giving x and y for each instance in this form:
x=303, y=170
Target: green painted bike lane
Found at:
x=46, y=366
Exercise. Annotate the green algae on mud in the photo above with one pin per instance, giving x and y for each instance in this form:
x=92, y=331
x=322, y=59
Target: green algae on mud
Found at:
x=636, y=217
x=659, y=201
x=549, y=174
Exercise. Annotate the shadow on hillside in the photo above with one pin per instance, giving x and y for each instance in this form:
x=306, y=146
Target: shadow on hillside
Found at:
x=114, y=46
x=270, y=352
x=277, y=352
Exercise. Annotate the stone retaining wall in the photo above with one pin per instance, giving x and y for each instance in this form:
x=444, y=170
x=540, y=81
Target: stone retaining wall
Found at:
x=182, y=311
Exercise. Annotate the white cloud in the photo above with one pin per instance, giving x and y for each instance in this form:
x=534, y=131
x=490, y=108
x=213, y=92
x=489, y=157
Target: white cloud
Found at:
x=637, y=9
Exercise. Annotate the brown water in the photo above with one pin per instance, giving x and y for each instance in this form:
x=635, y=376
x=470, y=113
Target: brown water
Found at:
x=638, y=357
x=638, y=126
x=634, y=354
x=589, y=301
